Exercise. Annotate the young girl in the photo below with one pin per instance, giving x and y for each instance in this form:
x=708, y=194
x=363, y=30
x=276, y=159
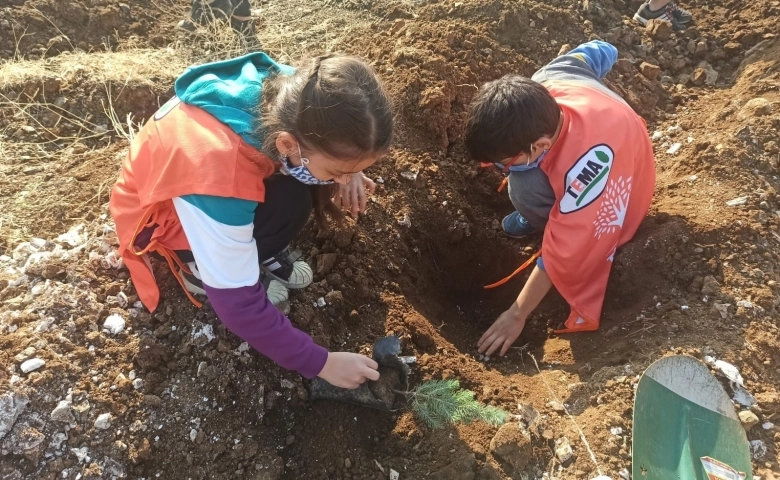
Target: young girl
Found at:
x=200, y=190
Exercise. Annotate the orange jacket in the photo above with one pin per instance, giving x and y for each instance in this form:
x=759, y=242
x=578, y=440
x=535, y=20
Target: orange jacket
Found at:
x=182, y=150
x=602, y=171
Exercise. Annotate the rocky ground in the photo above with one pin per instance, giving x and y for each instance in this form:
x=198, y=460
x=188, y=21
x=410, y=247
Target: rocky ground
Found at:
x=93, y=386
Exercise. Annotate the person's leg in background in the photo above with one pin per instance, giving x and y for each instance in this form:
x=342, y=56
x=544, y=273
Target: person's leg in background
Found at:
x=203, y=12
x=533, y=197
x=664, y=10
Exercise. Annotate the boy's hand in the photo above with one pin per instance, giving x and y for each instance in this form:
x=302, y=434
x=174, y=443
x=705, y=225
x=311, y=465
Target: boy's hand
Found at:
x=348, y=370
x=502, y=334
x=352, y=196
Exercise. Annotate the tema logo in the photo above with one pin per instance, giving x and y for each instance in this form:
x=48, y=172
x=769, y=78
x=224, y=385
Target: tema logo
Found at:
x=586, y=180
x=165, y=109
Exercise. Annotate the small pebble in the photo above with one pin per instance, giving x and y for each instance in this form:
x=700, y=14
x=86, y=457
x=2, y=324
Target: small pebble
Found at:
x=114, y=324
x=32, y=364
x=103, y=421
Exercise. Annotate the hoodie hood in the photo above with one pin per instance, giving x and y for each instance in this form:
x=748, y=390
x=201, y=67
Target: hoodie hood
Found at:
x=230, y=90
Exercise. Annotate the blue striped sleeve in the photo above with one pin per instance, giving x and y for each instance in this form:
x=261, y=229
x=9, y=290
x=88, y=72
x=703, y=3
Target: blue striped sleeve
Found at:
x=600, y=56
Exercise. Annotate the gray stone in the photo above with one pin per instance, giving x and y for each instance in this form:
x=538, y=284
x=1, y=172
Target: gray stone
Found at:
x=12, y=404
x=462, y=469
x=513, y=445
x=103, y=421
x=756, y=107
x=62, y=412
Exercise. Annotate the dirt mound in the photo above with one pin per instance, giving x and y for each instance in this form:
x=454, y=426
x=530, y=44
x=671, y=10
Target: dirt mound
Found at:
x=174, y=395
x=45, y=28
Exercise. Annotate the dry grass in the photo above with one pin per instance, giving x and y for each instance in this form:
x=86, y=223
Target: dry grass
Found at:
x=29, y=90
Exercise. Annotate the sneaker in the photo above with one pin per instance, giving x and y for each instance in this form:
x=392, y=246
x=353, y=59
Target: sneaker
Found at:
x=680, y=14
x=285, y=268
x=187, y=26
x=275, y=291
x=516, y=226
x=644, y=15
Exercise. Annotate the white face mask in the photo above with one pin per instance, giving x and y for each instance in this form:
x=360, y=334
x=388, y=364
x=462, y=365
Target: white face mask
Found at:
x=302, y=173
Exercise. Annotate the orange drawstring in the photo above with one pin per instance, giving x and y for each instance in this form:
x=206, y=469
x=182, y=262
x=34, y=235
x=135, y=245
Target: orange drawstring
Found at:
x=503, y=184
x=173, y=259
x=520, y=269
x=148, y=219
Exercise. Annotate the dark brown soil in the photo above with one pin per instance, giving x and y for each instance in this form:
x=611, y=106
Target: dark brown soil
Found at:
x=211, y=409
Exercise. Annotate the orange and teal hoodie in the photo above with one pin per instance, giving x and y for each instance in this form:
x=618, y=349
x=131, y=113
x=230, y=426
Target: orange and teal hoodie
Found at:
x=192, y=180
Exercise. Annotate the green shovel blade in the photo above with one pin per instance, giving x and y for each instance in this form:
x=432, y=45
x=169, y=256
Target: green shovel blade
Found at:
x=682, y=414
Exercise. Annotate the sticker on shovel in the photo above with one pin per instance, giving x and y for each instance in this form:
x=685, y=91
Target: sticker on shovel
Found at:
x=720, y=471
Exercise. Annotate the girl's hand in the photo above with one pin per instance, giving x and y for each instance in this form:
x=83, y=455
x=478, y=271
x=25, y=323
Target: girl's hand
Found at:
x=348, y=370
x=352, y=196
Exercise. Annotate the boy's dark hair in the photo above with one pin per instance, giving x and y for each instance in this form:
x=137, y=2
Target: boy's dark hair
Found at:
x=335, y=105
x=507, y=115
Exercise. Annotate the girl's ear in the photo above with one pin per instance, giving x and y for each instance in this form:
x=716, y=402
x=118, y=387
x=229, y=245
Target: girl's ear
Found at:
x=285, y=144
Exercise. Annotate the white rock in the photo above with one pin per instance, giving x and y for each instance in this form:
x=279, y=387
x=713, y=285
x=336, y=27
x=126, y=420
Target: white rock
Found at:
x=32, y=364
x=74, y=237
x=193, y=434
x=563, y=449
x=321, y=302
x=757, y=449
x=114, y=324
x=57, y=440
x=737, y=202
x=730, y=371
x=138, y=384
x=616, y=431
x=287, y=384
x=12, y=404
x=103, y=421
x=244, y=347
x=767, y=425
x=202, y=334
x=62, y=413
x=674, y=148
x=411, y=176
x=624, y=473
x=113, y=260
x=394, y=475
x=82, y=454
x=742, y=396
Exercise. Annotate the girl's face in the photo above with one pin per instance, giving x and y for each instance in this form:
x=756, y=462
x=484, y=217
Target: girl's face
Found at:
x=321, y=165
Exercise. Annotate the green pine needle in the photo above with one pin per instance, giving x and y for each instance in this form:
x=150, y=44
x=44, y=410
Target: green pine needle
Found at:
x=443, y=402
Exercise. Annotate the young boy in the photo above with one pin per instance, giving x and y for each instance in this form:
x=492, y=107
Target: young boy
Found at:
x=580, y=169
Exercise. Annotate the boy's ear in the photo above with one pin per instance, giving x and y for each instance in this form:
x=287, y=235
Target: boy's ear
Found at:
x=543, y=143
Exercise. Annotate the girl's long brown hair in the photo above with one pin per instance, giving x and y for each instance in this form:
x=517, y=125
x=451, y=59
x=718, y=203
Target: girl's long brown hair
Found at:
x=335, y=105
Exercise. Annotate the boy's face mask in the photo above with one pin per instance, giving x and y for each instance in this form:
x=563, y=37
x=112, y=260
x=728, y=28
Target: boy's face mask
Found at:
x=511, y=167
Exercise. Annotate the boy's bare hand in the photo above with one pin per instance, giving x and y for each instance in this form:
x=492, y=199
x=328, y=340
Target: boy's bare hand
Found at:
x=348, y=370
x=352, y=196
x=502, y=334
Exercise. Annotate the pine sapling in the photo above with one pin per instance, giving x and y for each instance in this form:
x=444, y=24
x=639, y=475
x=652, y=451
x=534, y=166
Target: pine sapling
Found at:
x=443, y=402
